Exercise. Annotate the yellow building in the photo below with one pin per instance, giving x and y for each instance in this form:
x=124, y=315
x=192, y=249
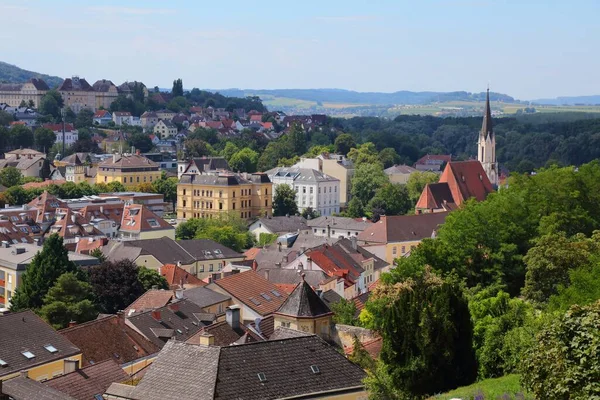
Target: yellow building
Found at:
x=395, y=236
x=208, y=195
x=15, y=93
x=128, y=169
x=30, y=344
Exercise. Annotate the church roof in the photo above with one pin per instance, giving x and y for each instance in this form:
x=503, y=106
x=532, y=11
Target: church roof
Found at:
x=467, y=179
x=436, y=196
x=303, y=302
x=486, y=127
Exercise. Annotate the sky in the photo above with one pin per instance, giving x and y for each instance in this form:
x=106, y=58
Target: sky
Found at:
x=528, y=49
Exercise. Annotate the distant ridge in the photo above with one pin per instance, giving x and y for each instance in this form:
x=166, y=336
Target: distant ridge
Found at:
x=377, y=98
x=13, y=74
x=570, y=100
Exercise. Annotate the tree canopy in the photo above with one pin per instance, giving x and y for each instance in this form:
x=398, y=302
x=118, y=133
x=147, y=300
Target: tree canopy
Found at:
x=284, y=201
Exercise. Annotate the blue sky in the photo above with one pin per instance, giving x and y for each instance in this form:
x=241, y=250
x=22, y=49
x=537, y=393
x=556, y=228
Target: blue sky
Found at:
x=528, y=49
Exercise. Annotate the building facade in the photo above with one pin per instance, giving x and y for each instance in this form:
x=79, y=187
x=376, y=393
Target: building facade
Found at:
x=128, y=169
x=15, y=93
x=486, y=146
x=165, y=129
x=335, y=165
x=209, y=195
x=106, y=93
x=314, y=189
x=78, y=94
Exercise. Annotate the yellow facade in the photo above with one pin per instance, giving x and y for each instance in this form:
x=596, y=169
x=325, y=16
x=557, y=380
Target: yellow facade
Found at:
x=27, y=92
x=246, y=200
x=9, y=281
x=320, y=326
x=399, y=249
x=201, y=269
x=48, y=370
x=129, y=177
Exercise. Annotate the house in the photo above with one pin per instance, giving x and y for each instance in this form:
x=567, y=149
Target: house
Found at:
x=128, y=89
x=14, y=93
x=122, y=118
x=79, y=167
x=432, y=162
x=89, y=382
x=337, y=227
x=165, y=115
x=154, y=201
x=395, y=236
x=201, y=165
x=29, y=162
x=460, y=181
x=128, y=169
x=336, y=165
x=114, y=142
x=150, y=300
x=305, y=311
x=206, y=196
x=210, y=301
x=23, y=388
x=165, y=129
x=177, y=321
x=102, y=117
x=399, y=173
x=14, y=259
x=78, y=94
x=140, y=223
x=184, y=371
x=71, y=134
x=278, y=225
x=314, y=189
x=30, y=344
x=106, y=93
x=199, y=257
x=73, y=227
x=256, y=296
x=148, y=120
x=179, y=278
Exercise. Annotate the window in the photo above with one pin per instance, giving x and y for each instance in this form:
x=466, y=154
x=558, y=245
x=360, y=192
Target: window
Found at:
x=304, y=189
x=314, y=368
x=285, y=324
x=220, y=206
x=51, y=348
x=262, y=377
x=233, y=193
x=202, y=268
x=184, y=192
x=210, y=268
x=403, y=249
x=394, y=250
x=266, y=202
x=29, y=355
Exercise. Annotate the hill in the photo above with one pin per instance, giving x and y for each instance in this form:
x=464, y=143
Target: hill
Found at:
x=13, y=74
x=570, y=101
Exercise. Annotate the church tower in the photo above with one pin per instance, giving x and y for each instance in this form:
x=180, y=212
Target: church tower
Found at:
x=486, y=146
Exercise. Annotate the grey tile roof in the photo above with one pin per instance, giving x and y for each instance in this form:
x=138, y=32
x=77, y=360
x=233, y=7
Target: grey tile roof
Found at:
x=291, y=276
x=207, y=249
x=177, y=321
x=180, y=372
x=303, y=302
x=340, y=223
x=25, y=331
x=399, y=169
x=27, y=389
x=300, y=174
x=204, y=297
x=284, y=224
x=286, y=333
x=166, y=250
x=330, y=296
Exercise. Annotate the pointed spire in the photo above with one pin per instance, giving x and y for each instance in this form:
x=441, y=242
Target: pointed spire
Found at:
x=486, y=128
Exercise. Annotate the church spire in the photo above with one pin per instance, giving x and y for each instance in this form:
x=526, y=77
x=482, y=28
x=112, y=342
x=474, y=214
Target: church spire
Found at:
x=486, y=128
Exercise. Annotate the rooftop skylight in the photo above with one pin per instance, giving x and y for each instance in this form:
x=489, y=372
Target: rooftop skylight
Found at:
x=50, y=348
x=29, y=355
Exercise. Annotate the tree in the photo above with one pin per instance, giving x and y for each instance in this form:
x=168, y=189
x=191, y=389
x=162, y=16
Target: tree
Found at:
x=20, y=136
x=167, y=187
x=10, y=176
x=417, y=182
x=187, y=229
x=141, y=142
x=115, y=285
x=389, y=157
x=344, y=312
x=85, y=118
x=115, y=186
x=366, y=153
x=5, y=118
x=549, y=261
x=427, y=336
x=583, y=287
x=70, y=299
x=355, y=208
x=563, y=361
x=44, y=139
x=391, y=199
x=284, y=202
x=361, y=357
x=229, y=150
x=244, y=160
x=343, y=143
x=150, y=278
x=367, y=180
x=51, y=104
x=177, y=88
x=209, y=135
x=41, y=274
x=197, y=148
x=98, y=254
x=227, y=235
x=309, y=213
x=296, y=138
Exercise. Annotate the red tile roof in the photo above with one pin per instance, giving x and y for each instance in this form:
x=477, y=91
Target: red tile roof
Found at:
x=177, y=276
x=153, y=298
x=85, y=246
x=373, y=347
x=402, y=228
x=101, y=113
x=139, y=218
x=249, y=288
x=436, y=158
x=252, y=253
x=466, y=179
x=59, y=127
x=286, y=287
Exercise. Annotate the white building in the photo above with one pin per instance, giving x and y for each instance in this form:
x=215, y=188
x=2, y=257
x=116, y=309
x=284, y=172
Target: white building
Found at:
x=71, y=134
x=313, y=189
x=122, y=118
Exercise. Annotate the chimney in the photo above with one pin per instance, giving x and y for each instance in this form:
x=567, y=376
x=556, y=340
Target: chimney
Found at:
x=232, y=315
x=254, y=265
x=72, y=323
x=114, y=158
x=179, y=293
x=353, y=239
x=279, y=246
x=156, y=315
x=285, y=259
x=328, y=231
x=207, y=339
x=137, y=152
x=309, y=263
x=5, y=244
x=24, y=374
x=174, y=307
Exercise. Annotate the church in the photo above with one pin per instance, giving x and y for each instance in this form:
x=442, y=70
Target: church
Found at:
x=462, y=180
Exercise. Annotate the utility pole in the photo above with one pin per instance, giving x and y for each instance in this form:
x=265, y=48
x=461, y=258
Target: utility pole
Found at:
x=63, y=113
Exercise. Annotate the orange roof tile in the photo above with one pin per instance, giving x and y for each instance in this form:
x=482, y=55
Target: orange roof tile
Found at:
x=153, y=298
x=177, y=276
x=252, y=253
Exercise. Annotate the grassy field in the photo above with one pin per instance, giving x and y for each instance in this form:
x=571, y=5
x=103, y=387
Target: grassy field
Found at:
x=491, y=389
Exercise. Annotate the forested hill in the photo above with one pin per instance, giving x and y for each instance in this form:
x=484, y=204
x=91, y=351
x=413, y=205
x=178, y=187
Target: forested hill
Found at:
x=352, y=97
x=13, y=74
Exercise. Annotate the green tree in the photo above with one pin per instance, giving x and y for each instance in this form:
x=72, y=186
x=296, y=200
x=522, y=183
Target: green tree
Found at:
x=41, y=274
x=343, y=143
x=167, y=187
x=391, y=199
x=44, y=139
x=367, y=180
x=115, y=285
x=51, y=104
x=197, y=148
x=98, y=254
x=10, y=176
x=563, y=361
x=427, y=336
x=244, y=160
x=227, y=235
x=366, y=153
x=344, y=312
x=389, y=157
x=417, y=182
x=150, y=278
x=141, y=142
x=68, y=300
x=187, y=229
x=5, y=118
x=85, y=118
x=177, y=88
x=309, y=213
x=284, y=202
x=583, y=287
x=297, y=139
x=229, y=150
x=21, y=136
x=115, y=186
x=355, y=208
